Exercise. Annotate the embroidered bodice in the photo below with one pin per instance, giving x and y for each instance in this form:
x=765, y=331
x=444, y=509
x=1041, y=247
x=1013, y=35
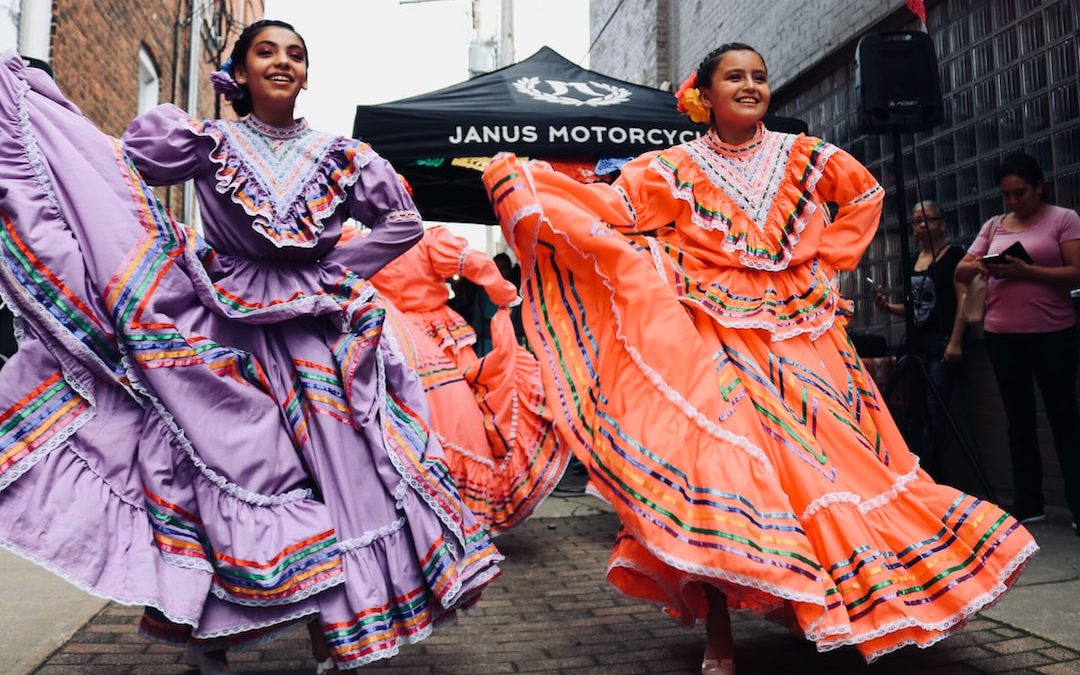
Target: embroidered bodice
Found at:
x=277, y=193
x=754, y=202
x=745, y=231
x=272, y=202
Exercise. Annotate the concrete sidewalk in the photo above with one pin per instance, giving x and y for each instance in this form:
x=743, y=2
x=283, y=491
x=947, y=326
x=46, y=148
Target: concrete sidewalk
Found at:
x=39, y=612
x=553, y=612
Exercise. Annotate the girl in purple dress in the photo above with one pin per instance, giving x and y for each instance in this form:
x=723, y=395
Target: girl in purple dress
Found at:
x=220, y=427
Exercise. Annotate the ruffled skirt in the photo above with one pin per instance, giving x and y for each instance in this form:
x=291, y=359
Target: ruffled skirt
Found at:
x=236, y=464
x=760, y=460
x=491, y=420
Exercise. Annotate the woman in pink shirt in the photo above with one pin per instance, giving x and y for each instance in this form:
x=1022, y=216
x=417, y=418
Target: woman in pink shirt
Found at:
x=1031, y=327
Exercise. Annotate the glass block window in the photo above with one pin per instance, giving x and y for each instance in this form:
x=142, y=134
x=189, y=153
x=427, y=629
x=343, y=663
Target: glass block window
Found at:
x=1010, y=75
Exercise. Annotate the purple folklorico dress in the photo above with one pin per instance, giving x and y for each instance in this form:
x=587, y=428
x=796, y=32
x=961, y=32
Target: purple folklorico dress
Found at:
x=221, y=429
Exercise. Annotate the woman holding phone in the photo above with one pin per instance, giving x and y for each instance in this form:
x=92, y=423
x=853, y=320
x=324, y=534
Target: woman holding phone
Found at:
x=1031, y=325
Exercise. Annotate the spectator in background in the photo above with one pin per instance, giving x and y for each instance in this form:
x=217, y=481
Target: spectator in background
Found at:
x=937, y=335
x=512, y=273
x=1031, y=327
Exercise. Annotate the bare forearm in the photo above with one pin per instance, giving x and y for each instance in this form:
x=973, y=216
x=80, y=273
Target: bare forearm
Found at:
x=966, y=271
x=1067, y=277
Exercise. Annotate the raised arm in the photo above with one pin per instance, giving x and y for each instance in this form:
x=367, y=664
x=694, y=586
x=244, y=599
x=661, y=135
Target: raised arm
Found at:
x=167, y=146
x=847, y=183
x=379, y=201
x=450, y=255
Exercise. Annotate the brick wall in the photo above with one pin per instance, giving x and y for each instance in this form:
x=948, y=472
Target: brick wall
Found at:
x=95, y=56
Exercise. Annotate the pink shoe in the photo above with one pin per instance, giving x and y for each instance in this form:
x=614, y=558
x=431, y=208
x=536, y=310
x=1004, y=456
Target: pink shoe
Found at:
x=718, y=667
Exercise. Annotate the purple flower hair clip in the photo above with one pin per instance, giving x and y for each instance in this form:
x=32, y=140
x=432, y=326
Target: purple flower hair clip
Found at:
x=225, y=84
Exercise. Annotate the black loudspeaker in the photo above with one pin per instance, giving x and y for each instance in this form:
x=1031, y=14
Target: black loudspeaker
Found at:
x=897, y=87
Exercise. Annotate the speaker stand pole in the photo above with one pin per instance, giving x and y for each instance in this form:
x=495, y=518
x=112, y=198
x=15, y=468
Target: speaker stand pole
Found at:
x=909, y=316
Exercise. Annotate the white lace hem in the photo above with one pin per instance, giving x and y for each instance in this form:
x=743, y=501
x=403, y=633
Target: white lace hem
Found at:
x=864, y=505
x=371, y=536
x=248, y=627
x=943, y=628
x=209, y=474
x=30, y=461
x=89, y=589
x=460, y=450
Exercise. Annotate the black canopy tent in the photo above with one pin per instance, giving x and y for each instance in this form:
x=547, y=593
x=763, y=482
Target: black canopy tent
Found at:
x=544, y=107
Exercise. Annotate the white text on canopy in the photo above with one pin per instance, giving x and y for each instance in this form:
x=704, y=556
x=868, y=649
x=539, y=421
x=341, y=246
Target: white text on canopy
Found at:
x=529, y=133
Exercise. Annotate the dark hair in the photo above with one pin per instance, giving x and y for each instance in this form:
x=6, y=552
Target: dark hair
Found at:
x=40, y=65
x=1021, y=165
x=708, y=65
x=240, y=50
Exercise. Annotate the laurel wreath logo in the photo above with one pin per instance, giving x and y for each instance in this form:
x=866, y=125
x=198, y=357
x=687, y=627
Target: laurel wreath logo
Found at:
x=613, y=95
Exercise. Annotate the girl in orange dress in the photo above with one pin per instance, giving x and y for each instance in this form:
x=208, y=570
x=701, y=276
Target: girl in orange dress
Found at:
x=416, y=283
x=693, y=346
x=489, y=414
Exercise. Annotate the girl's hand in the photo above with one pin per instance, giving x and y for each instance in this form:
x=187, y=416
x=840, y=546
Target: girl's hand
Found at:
x=1013, y=268
x=880, y=299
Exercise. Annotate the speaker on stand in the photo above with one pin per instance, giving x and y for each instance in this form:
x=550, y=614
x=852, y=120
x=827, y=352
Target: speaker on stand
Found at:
x=897, y=90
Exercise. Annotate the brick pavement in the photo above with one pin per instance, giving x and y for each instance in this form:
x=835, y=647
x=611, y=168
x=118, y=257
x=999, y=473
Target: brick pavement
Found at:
x=552, y=612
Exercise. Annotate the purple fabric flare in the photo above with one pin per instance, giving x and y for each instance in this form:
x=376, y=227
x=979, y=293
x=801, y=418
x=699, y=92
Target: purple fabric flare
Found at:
x=220, y=427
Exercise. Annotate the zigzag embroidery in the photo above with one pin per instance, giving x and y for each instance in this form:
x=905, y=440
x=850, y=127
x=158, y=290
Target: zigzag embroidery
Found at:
x=751, y=179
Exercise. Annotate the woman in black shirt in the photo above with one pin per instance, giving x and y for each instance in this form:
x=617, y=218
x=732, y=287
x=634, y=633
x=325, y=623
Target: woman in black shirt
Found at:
x=938, y=332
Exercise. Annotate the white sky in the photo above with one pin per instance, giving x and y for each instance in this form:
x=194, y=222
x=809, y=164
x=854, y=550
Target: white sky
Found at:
x=373, y=51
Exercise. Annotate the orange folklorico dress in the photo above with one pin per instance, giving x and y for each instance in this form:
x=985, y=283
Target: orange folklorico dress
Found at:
x=693, y=346
x=489, y=413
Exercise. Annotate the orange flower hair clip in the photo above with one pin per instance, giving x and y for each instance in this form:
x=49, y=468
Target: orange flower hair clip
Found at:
x=689, y=101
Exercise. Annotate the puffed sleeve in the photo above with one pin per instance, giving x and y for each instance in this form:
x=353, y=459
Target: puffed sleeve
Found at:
x=858, y=195
x=450, y=255
x=379, y=200
x=646, y=195
x=166, y=147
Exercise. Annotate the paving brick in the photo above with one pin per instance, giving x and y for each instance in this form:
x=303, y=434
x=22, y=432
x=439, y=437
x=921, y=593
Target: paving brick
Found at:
x=1068, y=668
x=958, y=655
x=1060, y=654
x=1021, y=644
x=80, y=670
x=71, y=659
x=163, y=669
x=116, y=659
x=554, y=665
x=102, y=648
x=1004, y=663
x=523, y=626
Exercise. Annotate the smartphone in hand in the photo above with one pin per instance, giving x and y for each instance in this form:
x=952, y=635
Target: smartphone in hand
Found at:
x=1016, y=250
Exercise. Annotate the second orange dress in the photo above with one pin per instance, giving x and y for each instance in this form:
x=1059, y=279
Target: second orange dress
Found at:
x=490, y=414
x=693, y=347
